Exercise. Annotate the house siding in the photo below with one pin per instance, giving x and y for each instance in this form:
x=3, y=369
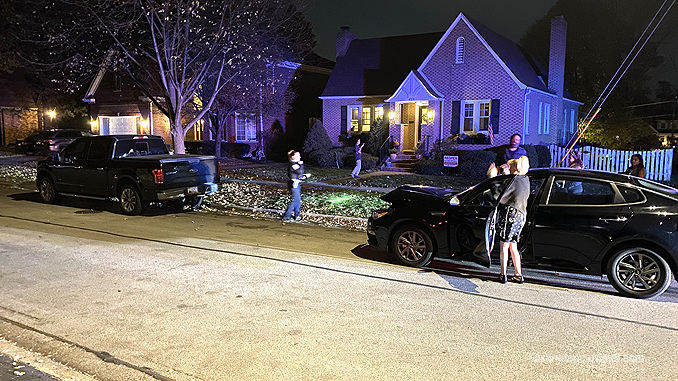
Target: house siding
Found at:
x=480, y=77
x=18, y=123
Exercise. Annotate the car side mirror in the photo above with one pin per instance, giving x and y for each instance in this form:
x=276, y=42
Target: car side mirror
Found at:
x=56, y=157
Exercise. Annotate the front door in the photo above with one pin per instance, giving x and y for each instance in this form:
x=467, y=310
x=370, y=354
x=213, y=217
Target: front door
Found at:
x=408, y=118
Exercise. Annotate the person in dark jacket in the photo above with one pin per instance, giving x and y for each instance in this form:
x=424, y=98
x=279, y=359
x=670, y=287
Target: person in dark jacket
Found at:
x=295, y=174
x=513, y=151
x=511, y=213
x=358, y=158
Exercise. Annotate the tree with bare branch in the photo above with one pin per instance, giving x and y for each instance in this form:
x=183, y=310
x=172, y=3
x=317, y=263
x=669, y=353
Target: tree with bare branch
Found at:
x=172, y=50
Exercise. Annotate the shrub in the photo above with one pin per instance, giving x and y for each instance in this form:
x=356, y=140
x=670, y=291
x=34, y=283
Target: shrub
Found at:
x=369, y=162
x=336, y=157
x=228, y=149
x=377, y=135
x=317, y=139
x=544, y=156
x=446, y=147
x=532, y=155
x=274, y=143
x=475, y=163
x=428, y=167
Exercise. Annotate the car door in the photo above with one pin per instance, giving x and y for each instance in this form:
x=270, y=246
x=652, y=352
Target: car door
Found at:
x=68, y=171
x=94, y=167
x=467, y=227
x=575, y=219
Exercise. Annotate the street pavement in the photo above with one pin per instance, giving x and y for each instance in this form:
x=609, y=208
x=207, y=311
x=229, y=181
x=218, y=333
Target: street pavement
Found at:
x=193, y=296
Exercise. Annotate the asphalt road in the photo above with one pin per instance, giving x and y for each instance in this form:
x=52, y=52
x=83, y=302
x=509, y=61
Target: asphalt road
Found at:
x=193, y=296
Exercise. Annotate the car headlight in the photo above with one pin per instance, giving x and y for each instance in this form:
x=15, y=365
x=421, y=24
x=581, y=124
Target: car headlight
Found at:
x=380, y=213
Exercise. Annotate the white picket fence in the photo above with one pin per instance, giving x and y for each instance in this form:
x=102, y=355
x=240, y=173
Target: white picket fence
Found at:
x=658, y=163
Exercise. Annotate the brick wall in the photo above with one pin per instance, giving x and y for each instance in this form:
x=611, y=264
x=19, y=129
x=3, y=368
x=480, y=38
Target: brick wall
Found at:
x=480, y=77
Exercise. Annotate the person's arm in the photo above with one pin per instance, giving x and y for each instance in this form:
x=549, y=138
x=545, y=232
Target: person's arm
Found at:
x=641, y=173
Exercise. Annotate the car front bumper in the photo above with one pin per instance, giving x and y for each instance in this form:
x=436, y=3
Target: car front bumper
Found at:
x=178, y=193
x=377, y=235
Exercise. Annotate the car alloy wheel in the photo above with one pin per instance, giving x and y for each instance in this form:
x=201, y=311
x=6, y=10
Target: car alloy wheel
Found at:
x=412, y=246
x=130, y=201
x=639, y=273
x=47, y=192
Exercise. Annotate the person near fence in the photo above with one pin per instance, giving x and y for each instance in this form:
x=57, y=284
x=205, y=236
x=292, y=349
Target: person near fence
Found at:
x=358, y=158
x=295, y=174
x=637, y=167
x=511, y=213
x=513, y=151
x=574, y=160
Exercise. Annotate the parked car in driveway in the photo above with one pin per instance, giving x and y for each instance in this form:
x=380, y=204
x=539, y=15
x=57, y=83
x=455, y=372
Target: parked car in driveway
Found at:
x=49, y=141
x=578, y=221
x=135, y=169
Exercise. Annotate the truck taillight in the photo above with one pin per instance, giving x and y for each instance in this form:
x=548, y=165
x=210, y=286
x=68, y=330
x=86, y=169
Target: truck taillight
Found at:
x=158, y=176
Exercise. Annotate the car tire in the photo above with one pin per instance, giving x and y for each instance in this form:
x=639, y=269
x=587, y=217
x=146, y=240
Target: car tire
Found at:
x=48, y=193
x=130, y=200
x=411, y=246
x=638, y=273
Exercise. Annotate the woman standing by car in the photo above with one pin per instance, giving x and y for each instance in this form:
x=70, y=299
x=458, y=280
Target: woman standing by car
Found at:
x=511, y=213
x=637, y=167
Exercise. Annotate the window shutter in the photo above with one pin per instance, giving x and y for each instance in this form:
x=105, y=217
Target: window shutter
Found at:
x=344, y=122
x=494, y=116
x=456, y=112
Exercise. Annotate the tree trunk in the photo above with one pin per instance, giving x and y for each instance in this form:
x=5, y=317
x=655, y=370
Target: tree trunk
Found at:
x=179, y=146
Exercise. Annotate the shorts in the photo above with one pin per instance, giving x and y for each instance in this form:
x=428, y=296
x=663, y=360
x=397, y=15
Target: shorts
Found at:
x=510, y=222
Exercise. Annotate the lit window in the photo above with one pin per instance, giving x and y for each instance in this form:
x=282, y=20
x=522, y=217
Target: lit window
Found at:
x=245, y=127
x=468, y=116
x=366, y=118
x=476, y=116
x=354, y=112
x=379, y=112
x=460, y=50
x=484, y=116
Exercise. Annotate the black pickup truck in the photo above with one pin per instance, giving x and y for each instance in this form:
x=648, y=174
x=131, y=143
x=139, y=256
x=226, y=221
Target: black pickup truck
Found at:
x=137, y=169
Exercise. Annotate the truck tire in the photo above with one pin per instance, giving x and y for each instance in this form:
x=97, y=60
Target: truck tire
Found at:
x=130, y=200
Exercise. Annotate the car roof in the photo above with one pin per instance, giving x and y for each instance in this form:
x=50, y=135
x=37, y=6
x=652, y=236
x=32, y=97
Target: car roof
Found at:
x=584, y=173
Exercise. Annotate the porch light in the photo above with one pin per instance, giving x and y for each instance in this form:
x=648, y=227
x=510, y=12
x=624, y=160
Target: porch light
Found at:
x=51, y=114
x=93, y=124
x=391, y=115
x=143, y=123
x=430, y=115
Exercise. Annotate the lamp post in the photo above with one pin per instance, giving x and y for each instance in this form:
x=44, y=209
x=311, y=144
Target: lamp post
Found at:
x=52, y=114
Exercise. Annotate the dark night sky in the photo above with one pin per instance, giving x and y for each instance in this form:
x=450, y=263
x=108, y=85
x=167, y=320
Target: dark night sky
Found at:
x=380, y=18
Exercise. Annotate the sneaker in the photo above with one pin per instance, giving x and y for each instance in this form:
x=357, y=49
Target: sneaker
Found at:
x=297, y=218
x=286, y=220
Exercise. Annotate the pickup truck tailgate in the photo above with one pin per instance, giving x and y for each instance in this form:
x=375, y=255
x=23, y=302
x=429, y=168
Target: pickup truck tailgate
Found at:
x=187, y=171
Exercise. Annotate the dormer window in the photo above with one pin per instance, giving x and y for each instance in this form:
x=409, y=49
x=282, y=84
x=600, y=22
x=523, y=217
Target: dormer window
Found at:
x=460, y=50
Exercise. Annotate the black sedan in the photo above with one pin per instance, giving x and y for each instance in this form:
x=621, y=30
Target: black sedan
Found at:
x=578, y=221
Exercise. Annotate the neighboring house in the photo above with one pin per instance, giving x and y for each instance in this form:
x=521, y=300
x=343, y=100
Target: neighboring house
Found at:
x=663, y=117
x=119, y=107
x=467, y=80
x=18, y=108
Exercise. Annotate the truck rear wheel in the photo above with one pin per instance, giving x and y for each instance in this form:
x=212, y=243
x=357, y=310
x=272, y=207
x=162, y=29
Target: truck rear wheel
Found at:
x=130, y=200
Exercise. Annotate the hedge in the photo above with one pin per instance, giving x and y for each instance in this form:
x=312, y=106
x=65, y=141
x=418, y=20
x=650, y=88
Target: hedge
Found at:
x=475, y=163
x=429, y=167
x=228, y=149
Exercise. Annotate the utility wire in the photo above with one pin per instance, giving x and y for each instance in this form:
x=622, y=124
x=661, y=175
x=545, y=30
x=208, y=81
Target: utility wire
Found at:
x=597, y=106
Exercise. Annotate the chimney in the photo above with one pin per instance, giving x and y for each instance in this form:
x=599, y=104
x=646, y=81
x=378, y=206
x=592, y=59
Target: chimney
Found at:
x=344, y=38
x=556, y=78
x=557, y=55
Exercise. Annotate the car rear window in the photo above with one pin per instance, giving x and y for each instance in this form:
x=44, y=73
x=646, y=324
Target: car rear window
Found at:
x=129, y=148
x=660, y=188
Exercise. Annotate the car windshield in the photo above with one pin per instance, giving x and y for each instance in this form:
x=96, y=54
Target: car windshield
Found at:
x=660, y=188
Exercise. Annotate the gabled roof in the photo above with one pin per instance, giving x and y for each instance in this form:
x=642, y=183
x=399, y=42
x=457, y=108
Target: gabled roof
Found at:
x=390, y=59
x=415, y=87
x=377, y=66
